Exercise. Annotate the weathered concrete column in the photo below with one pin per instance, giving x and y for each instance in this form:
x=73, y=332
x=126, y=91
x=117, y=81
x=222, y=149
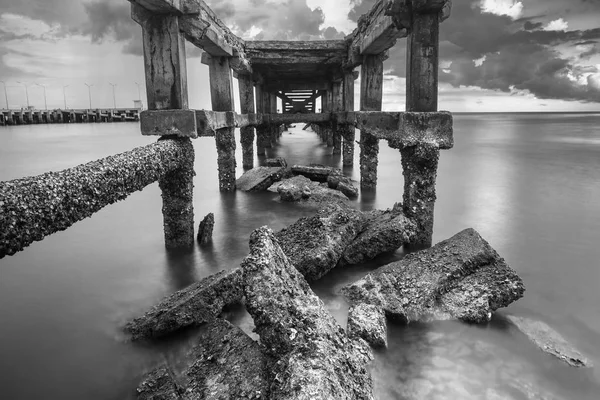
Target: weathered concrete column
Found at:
x=371, y=96
x=348, y=131
x=274, y=131
x=247, y=107
x=166, y=88
x=337, y=103
x=221, y=94
x=420, y=162
x=260, y=130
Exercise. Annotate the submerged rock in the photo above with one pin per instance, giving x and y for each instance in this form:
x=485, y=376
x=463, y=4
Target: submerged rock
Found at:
x=462, y=277
x=205, y=229
x=276, y=162
x=314, y=245
x=306, y=192
x=194, y=305
x=225, y=364
x=315, y=359
x=259, y=178
x=549, y=341
x=368, y=322
x=336, y=180
x=385, y=231
x=313, y=172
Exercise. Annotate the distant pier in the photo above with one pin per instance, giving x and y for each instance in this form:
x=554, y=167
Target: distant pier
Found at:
x=25, y=116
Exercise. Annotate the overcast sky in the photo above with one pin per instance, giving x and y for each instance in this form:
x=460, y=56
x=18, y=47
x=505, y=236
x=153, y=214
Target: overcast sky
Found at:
x=496, y=55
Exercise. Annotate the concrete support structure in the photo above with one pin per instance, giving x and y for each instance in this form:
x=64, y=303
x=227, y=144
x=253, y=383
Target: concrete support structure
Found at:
x=247, y=107
x=221, y=94
x=371, y=96
x=348, y=131
x=337, y=104
x=261, y=131
x=420, y=162
x=166, y=88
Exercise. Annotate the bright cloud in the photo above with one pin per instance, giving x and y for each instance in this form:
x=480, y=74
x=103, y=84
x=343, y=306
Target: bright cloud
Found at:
x=557, y=25
x=511, y=8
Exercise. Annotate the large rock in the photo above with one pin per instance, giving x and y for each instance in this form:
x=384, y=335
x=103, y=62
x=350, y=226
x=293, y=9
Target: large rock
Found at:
x=225, y=364
x=259, y=178
x=386, y=231
x=306, y=192
x=315, y=358
x=336, y=180
x=313, y=172
x=191, y=306
x=549, y=341
x=462, y=277
x=314, y=245
x=205, y=229
x=367, y=321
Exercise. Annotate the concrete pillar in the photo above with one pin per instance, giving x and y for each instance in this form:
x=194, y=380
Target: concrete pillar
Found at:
x=247, y=107
x=371, y=96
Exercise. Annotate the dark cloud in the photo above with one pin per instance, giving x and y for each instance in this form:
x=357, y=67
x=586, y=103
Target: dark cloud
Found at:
x=530, y=26
x=359, y=7
x=519, y=58
x=109, y=18
x=63, y=12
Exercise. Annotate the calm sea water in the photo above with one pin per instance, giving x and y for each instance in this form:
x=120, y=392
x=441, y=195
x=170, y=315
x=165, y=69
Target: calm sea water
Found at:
x=529, y=183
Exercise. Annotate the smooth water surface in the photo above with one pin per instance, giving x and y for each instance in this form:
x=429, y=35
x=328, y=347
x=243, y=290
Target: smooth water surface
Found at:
x=529, y=183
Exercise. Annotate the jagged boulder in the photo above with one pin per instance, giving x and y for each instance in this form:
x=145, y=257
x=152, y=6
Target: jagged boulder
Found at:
x=314, y=245
x=459, y=278
x=549, y=341
x=259, y=178
x=315, y=359
x=194, y=305
x=276, y=162
x=385, y=231
x=314, y=172
x=367, y=321
x=225, y=364
x=205, y=229
x=336, y=180
x=303, y=191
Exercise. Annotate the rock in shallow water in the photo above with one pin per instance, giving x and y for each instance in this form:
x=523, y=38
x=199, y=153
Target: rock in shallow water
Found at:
x=226, y=364
x=315, y=357
x=194, y=305
x=314, y=245
x=259, y=178
x=462, y=277
x=205, y=229
x=368, y=322
x=385, y=231
x=549, y=341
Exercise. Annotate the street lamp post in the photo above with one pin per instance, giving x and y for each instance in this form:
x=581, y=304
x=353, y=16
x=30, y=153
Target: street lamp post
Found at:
x=65, y=95
x=5, y=95
x=26, y=92
x=45, y=102
x=139, y=95
x=114, y=98
x=89, y=94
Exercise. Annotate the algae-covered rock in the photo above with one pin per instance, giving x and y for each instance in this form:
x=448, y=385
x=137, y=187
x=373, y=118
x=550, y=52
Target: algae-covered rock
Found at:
x=259, y=178
x=367, y=321
x=315, y=359
x=462, y=277
x=314, y=245
x=194, y=305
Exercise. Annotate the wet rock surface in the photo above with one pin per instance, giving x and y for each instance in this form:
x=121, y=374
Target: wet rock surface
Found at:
x=259, y=178
x=314, y=245
x=194, y=305
x=306, y=192
x=315, y=359
x=205, y=229
x=367, y=321
x=385, y=231
x=276, y=162
x=549, y=341
x=313, y=172
x=225, y=364
x=462, y=277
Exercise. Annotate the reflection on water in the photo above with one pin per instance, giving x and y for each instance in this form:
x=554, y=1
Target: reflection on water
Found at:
x=528, y=183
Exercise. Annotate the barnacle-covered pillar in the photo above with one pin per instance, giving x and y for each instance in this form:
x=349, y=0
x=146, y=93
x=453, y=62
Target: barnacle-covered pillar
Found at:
x=247, y=107
x=166, y=87
x=348, y=131
x=371, y=96
x=221, y=95
x=261, y=130
x=337, y=100
x=420, y=162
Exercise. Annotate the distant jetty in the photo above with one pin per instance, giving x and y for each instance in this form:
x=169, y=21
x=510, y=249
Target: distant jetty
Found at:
x=32, y=116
